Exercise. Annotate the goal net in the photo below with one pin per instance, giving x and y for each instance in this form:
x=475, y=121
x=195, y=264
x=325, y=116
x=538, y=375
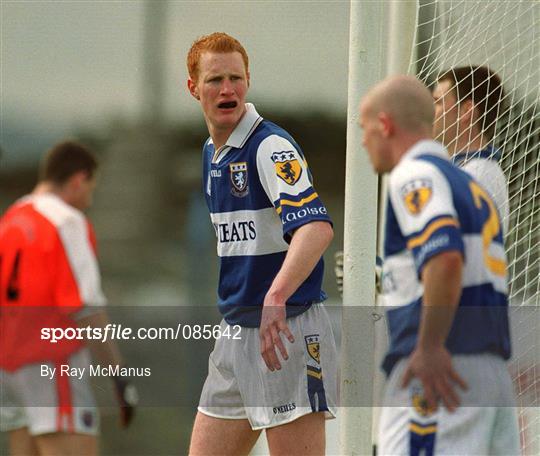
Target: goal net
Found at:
x=505, y=37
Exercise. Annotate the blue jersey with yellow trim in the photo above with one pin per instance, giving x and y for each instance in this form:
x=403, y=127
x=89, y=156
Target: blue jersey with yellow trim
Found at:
x=434, y=207
x=259, y=189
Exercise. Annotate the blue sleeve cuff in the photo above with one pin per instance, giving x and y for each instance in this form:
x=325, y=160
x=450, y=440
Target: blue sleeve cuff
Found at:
x=440, y=235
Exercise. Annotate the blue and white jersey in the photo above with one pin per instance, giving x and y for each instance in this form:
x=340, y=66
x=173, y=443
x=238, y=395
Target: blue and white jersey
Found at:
x=434, y=207
x=259, y=190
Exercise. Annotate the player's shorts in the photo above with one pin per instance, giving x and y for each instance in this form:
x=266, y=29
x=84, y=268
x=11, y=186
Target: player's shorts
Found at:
x=44, y=405
x=240, y=385
x=486, y=423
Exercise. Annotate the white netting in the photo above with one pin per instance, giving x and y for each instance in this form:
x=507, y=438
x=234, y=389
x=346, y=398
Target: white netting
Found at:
x=504, y=36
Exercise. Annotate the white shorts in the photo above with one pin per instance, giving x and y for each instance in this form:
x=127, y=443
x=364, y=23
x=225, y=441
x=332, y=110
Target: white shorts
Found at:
x=485, y=424
x=45, y=405
x=240, y=385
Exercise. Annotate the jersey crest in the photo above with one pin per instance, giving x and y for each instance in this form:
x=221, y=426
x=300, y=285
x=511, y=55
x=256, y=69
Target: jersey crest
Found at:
x=287, y=166
x=239, y=180
x=416, y=194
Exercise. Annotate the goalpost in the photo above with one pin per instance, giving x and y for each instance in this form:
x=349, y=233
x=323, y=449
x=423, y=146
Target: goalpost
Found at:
x=505, y=36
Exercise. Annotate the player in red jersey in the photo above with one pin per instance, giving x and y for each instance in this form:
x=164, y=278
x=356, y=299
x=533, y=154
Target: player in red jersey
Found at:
x=49, y=278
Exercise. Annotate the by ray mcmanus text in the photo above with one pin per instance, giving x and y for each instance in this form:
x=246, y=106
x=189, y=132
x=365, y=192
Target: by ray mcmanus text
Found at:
x=65, y=370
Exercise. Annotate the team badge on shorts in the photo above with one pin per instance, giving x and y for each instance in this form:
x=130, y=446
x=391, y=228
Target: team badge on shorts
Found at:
x=313, y=347
x=315, y=384
x=239, y=179
x=416, y=194
x=420, y=404
x=287, y=166
x=88, y=418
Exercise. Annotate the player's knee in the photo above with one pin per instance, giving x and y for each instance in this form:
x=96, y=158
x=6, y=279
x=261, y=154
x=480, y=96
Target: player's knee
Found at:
x=303, y=436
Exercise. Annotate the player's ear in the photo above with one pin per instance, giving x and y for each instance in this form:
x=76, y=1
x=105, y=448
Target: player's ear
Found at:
x=81, y=177
x=248, y=78
x=193, y=90
x=467, y=111
x=75, y=181
x=386, y=124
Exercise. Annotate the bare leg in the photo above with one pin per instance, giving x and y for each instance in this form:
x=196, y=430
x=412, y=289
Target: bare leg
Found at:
x=66, y=444
x=304, y=436
x=21, y=443
x=216, y=436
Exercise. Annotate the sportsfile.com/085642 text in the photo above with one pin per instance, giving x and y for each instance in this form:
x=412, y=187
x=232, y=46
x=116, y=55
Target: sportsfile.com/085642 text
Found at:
x=114, y=331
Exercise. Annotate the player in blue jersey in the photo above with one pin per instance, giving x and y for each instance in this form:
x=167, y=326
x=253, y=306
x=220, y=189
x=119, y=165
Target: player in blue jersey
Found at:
x=272, y=229
x=444, y=281
x=468, y=101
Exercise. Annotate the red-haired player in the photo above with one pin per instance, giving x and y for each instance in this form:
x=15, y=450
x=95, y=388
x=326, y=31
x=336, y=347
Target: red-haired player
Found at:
x=272, y=229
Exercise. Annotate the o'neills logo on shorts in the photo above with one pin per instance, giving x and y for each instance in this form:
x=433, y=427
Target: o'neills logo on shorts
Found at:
x=284, y=408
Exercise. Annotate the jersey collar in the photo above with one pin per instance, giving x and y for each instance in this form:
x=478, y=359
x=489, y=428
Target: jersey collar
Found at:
x=247, y=125
x=427, y=146
x=488, y=153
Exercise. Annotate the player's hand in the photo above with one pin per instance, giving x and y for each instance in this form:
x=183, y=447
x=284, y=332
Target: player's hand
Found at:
x=338, y=271
x=433, y=367
x=273, y=322
x=128, y=399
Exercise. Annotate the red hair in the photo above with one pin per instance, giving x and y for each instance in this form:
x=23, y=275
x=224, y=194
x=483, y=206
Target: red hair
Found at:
x=218, y=42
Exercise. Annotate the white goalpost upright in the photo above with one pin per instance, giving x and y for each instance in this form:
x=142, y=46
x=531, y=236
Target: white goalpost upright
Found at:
x=402, y=20
x=366, y=51
x=373, y=54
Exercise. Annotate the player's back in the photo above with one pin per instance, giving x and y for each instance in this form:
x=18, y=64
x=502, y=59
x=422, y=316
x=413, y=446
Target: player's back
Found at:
x=480, y=225
x=38, y=278
x=440, y=207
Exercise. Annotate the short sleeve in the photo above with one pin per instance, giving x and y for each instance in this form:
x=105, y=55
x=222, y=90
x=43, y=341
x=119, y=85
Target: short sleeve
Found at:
x=287, y=181
x=92, y=237
x=78, y=281
x=422, y=201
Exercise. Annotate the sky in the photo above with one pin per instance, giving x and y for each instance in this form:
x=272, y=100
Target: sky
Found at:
x=80, y=63
x=68, y=65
